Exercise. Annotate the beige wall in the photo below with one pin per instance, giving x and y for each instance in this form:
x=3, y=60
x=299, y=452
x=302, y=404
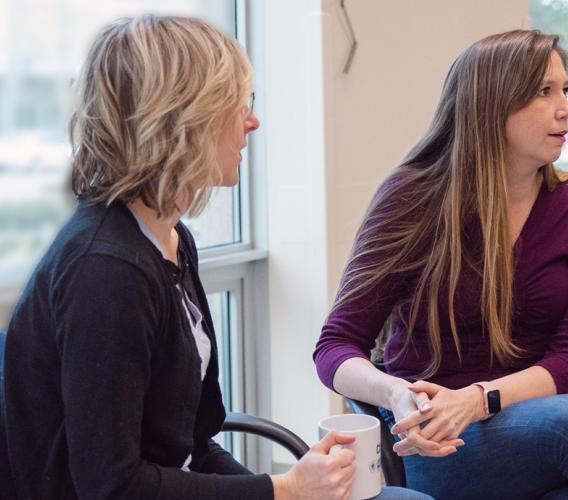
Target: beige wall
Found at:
x=331, y=139
x=379, y=110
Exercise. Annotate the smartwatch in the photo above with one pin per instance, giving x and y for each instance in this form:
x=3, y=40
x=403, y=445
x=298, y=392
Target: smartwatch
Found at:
x=492, y=398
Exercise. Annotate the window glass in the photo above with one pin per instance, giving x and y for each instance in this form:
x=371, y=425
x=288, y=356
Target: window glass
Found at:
x=551, y=16
x=219, y=307
x=42, y=45
x=223, y=321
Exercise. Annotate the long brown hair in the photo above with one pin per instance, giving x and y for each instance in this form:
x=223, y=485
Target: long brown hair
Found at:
x=153, y=96
x=455, y=173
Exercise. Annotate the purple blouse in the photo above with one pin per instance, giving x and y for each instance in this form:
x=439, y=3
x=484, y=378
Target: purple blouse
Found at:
x=540, y=321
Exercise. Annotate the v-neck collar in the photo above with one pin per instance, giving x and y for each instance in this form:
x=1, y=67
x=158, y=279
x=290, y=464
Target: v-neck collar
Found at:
x=527, y=228
x=186, y=274
x=146, y=232
x=176, y=270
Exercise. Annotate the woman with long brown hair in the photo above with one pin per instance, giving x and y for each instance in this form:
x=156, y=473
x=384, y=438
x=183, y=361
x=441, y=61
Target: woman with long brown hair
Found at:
x=461, y=264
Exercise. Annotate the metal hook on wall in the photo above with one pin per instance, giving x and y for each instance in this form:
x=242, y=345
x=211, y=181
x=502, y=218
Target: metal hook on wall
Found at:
x=353, y=49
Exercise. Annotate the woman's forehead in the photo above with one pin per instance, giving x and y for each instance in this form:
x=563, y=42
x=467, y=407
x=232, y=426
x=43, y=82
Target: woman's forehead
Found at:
x=556, y=70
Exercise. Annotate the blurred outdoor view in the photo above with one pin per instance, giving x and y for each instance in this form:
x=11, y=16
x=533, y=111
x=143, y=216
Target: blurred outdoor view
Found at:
x=551, y=16
x=42, y=45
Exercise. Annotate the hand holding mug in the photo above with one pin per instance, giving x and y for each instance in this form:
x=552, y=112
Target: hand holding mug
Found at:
x=367, y=481
x=320, y=474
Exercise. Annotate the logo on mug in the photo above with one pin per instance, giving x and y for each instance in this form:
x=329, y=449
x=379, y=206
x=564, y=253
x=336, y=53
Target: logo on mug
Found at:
x=375, y=465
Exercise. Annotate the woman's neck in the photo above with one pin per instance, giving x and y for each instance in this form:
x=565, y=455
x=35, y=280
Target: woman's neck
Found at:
x=522, y=192
x=523, y=187
x=162, y=228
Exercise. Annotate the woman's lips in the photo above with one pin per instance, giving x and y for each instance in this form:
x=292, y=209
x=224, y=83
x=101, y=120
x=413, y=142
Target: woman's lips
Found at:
x=560, y=135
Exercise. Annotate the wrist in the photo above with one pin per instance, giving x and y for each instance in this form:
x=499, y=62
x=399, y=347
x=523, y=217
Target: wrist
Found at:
x=478, y=396
x=491, y=399
x=281, y=487
x=396, y=391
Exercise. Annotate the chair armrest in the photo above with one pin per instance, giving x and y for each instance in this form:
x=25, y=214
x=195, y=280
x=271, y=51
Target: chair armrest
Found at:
x=242, y=422
x=392, y=464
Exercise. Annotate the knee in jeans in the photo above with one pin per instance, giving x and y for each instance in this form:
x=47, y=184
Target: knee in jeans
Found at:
x=551, y=416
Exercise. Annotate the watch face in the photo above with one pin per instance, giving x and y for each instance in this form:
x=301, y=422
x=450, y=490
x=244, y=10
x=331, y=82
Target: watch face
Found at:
x=493, y=401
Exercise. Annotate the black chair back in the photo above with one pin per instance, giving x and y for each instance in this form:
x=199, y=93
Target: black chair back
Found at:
x=392, y=464
x=6, y=484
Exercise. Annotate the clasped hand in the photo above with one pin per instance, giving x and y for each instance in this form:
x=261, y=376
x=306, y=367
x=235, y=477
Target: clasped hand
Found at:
x=445, y=413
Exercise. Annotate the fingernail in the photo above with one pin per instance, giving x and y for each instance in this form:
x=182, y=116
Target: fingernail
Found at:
x=425, y=407
x=394, y=429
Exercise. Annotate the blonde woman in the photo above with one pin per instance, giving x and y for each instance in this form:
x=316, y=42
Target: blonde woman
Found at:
x=462, y=261
x=111, y=364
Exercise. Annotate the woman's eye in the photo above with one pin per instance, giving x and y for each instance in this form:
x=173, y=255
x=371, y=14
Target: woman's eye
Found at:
x=565, y=90
x=544, y=92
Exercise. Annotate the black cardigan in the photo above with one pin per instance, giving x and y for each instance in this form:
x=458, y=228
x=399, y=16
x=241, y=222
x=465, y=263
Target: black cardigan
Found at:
x=104, y=397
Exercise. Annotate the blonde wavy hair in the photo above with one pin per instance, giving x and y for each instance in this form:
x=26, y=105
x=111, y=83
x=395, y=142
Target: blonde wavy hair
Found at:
x=153, y=95
x=453, y=177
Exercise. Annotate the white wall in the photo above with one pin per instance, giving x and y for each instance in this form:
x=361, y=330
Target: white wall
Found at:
x=330, y=140
x=294, y=128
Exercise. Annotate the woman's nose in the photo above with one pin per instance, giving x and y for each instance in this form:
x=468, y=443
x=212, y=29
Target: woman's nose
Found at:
x=251, y=123
x=562, y=112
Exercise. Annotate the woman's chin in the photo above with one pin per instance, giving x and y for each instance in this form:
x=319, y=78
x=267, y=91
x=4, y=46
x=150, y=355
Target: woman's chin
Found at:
x=230, y=180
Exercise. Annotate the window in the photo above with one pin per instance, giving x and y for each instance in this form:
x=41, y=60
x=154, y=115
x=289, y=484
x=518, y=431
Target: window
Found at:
x=551, y=16
x=42, y=44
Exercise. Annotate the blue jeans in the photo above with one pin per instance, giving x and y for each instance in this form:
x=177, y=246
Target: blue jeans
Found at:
x=393, y=493
x=520, y=453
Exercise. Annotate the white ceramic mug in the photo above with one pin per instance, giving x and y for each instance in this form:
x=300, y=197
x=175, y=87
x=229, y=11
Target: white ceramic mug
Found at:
x=367, y=447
